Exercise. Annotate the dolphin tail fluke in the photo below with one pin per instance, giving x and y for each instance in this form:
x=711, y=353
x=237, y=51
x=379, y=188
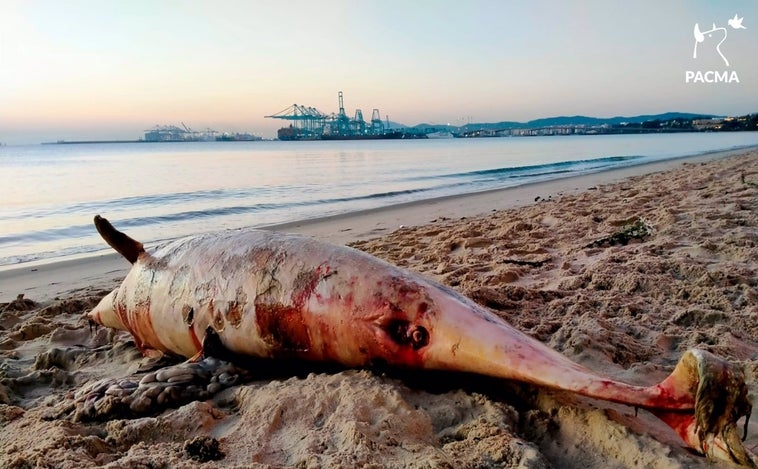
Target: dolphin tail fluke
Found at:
x=123, y=244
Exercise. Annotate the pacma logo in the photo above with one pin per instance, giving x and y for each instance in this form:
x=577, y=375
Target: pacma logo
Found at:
x=714, y=76
x=711, y=76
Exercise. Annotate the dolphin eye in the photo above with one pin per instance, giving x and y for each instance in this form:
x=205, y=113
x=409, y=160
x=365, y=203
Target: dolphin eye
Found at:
x=405, y=333
x=419, y=336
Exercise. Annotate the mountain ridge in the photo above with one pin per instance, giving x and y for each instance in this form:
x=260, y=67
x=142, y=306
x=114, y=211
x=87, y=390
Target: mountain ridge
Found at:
x=570, y=120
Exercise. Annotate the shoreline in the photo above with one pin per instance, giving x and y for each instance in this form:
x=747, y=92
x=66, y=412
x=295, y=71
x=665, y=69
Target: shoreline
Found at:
x=48, y=279
x=476, y=204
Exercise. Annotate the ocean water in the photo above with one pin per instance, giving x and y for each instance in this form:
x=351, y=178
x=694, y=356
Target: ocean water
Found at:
x=166, y=190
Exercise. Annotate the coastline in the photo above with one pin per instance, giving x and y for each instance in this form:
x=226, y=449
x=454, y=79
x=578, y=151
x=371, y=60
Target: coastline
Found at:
x=365, y=224
x=46, y=280
x=621, y=272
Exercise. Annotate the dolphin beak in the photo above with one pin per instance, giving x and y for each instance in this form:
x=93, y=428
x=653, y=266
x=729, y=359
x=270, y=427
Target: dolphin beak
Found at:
x=469, y=338
x=702, y=399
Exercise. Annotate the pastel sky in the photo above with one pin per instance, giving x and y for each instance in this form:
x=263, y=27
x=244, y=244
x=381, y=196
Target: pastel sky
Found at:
x=109, y=69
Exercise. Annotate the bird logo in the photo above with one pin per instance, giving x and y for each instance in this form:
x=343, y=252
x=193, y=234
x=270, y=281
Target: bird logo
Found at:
x=735, y=23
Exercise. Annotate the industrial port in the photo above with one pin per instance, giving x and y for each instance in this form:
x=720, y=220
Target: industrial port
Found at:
x=173, y=133
x=308, y=123
x=305, y=123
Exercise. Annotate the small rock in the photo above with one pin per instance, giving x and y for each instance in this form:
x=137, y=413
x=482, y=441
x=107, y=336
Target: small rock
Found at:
x=203, y=449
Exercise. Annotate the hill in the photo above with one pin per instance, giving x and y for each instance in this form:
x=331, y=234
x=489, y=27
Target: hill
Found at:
x=568, y=120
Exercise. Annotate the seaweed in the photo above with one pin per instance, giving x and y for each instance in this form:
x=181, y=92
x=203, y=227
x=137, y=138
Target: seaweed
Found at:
x=640, y=229
x=746, y=182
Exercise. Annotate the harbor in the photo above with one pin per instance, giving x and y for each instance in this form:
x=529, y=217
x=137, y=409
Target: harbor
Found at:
x=306, y=123
x=173, y=134
x=309, y=123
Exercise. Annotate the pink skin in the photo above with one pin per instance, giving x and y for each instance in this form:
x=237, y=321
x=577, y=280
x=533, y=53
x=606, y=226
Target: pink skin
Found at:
x=274, y=295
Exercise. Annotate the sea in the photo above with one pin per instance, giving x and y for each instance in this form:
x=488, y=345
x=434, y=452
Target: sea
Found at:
x=161, y=191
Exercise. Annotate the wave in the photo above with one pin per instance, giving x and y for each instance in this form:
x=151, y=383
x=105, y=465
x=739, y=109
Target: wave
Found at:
x=159, y=200
x=77, y=230
x=539, y=169
x=479, y=179
x=83, y=231
x=141, y=201
x=171, y=215
x=58, y=253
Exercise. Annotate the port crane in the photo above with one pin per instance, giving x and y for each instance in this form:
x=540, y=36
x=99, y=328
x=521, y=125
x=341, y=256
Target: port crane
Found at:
x=310, y=123
x=173, y=133
x=307, y=120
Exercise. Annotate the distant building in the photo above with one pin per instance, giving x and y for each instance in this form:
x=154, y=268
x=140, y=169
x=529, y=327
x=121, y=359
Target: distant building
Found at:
x=172, y=133
x=707, y=124
x=167, y=133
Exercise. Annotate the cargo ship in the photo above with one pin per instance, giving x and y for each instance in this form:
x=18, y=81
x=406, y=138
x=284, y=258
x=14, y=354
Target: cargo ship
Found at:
x=292, y=133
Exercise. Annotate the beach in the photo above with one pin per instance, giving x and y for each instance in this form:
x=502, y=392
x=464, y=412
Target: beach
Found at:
x=546, y=257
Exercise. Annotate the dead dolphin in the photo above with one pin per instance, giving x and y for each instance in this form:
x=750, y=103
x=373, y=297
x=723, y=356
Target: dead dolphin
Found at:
x=273, y=295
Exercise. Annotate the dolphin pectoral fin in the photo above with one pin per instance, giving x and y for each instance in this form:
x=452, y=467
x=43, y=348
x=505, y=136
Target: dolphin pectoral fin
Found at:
x=123, y=244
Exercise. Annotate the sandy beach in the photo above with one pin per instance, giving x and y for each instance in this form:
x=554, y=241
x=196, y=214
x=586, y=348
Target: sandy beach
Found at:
x=546, y=257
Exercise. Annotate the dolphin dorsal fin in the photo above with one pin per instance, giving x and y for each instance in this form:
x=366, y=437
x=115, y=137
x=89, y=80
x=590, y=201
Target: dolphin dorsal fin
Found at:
x=119, y=241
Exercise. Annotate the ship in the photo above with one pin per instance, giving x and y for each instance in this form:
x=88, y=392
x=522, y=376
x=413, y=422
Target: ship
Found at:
x=292, y=133
x=238, y=137
x=390, y=135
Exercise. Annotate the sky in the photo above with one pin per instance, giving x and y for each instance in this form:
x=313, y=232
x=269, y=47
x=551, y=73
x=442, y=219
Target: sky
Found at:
x=110, y=69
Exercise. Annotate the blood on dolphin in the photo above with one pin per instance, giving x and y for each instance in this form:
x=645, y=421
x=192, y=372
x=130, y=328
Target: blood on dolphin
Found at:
x=273, y=295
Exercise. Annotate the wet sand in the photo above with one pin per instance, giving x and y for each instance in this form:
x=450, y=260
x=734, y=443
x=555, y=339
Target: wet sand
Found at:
x=554, y=266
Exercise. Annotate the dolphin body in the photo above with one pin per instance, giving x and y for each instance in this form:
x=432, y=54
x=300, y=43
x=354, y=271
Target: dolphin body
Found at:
x=271, y=295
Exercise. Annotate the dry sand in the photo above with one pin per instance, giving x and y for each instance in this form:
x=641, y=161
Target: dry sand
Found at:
x=552, y=268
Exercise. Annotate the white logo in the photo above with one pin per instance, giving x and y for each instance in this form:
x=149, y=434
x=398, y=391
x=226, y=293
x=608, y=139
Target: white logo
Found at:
x=713, y=76
x=735, y=23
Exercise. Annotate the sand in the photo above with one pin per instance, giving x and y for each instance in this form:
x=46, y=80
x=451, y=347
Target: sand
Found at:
x=555, y=268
